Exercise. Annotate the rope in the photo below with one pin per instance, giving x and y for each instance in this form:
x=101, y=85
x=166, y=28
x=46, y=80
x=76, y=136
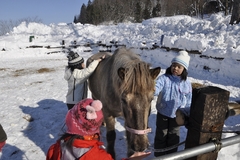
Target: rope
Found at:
x=213, y=130
x=165, y=149
x=181, y=143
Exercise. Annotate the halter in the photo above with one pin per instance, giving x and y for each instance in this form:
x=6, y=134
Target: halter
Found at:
x=139, y=132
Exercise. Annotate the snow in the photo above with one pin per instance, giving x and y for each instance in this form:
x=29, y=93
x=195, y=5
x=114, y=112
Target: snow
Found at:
x=33, y=89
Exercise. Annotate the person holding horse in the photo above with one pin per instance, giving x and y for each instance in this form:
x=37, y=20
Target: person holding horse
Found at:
x=174, y=92
x=82, y=137
x=76, y=75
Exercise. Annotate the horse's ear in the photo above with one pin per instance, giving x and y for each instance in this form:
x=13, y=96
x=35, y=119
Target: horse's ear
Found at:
x=154, y=72
x=121, y=73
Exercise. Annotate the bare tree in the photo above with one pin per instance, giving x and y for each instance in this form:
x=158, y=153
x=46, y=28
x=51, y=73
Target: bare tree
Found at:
x=138, y=12
x=147, y=10
x=236, y=12
x=156, y=12
x=226, y=8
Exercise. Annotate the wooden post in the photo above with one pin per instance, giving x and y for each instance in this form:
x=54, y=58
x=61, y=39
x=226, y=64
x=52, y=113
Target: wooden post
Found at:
x=75, y=44
x=207, y=115
x=63, y=44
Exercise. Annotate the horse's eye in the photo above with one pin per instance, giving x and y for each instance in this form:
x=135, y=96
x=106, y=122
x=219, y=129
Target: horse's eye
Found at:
x=124, y=101
x=150, y=100
x=151, y=97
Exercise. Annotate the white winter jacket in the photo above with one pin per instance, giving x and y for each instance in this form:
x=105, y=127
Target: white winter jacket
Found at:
x=77, y=82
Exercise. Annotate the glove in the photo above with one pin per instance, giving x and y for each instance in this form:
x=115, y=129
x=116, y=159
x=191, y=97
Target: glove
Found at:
x=181, y=117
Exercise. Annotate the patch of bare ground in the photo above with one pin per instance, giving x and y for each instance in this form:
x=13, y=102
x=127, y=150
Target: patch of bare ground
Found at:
x=22, y=72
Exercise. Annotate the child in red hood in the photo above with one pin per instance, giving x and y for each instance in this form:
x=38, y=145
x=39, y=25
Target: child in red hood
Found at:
x=82, y=138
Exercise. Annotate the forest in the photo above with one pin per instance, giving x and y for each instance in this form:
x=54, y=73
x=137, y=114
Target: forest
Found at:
x=118, y=11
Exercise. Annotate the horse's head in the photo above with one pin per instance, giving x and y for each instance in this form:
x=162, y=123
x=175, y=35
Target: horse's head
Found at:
x=137, y=88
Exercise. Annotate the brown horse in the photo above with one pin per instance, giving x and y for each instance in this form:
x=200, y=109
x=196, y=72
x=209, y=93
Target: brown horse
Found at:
x=125, y=86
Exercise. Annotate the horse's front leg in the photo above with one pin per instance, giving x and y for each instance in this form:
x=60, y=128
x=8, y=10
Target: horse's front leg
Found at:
x=111, y=135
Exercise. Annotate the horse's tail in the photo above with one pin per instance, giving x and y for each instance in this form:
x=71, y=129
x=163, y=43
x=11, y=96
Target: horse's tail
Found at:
x=233, y=109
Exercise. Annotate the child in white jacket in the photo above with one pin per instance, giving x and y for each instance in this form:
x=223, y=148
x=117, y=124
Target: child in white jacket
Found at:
x=76, y=75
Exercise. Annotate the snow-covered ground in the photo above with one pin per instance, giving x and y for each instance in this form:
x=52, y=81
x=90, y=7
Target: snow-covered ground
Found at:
x=32, y=84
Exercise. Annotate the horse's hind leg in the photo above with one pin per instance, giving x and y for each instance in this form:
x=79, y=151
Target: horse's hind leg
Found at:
x=111, y=135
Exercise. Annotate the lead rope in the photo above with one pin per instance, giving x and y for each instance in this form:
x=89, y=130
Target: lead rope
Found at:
x=152, y=149
x=73, y=88
x=164, y=149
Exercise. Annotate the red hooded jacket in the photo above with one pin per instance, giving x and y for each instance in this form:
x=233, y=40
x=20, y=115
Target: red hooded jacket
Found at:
x=95, y=153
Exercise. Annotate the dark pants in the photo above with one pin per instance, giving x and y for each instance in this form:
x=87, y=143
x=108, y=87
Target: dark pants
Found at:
x=70, y=106
x=166, y=135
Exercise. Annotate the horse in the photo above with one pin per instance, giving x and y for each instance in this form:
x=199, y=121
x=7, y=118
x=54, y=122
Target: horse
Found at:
x=125, y=86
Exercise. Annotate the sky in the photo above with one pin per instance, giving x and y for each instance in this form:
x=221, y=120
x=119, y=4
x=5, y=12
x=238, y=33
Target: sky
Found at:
x=33, y=89
x=48, y=11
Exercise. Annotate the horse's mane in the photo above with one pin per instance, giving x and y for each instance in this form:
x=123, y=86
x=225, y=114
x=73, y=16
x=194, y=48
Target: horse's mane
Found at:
x=137, y=72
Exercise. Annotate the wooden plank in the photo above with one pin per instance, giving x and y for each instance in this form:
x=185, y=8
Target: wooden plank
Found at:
x=207, y=115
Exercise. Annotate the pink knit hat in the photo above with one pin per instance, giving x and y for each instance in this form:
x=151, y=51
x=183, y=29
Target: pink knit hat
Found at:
x=85, y=118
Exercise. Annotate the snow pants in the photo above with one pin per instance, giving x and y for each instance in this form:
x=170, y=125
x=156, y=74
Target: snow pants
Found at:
x=166, y=135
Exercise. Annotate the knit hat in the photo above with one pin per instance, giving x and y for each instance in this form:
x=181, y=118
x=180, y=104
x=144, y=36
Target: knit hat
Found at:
x=85, y=118
x=183, y=58
x=74, y=58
